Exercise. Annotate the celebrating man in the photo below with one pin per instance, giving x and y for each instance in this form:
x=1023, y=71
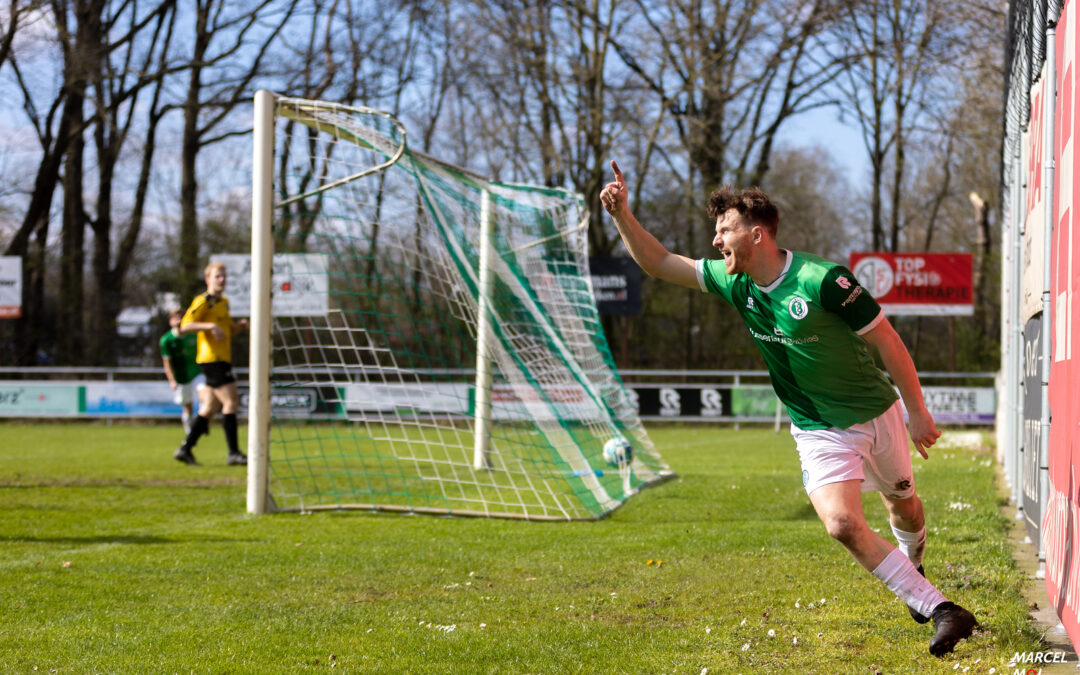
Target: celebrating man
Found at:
x=812, y=322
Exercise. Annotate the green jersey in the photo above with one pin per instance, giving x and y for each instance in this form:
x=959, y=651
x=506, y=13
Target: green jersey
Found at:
x=180, y=350
x=807, y=324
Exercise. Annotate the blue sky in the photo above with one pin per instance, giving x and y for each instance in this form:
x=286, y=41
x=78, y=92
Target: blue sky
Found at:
x=822, y=127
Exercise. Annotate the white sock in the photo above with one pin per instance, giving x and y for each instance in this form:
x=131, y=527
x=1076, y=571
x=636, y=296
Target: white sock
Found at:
x=911, y=544
x=186, y=419
x=901, y=577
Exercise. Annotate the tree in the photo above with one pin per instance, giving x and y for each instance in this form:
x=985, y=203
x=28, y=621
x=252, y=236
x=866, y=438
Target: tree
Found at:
x=230, y=43
x=686, y=94
x=899, y=56
x=548, y=102
x=381, y=45
x=143, y=63
x=811, y=191
x=60, y=126
x=730, y=74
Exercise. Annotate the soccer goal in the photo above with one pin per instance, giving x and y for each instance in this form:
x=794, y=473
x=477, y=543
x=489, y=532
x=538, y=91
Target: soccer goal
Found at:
x=428, y=341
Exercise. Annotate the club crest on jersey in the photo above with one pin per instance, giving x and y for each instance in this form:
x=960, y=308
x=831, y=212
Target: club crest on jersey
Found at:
x=797, y=308
x=750, y=303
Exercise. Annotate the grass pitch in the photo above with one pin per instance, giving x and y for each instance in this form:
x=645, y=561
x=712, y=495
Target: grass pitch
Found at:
x=115, y=558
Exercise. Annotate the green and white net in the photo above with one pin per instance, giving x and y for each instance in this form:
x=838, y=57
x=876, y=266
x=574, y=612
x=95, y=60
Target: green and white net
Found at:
x=376, y=403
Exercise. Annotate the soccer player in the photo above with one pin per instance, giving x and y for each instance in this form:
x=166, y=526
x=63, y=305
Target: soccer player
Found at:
x=209, y=316
x=178, y=360
x=812, y=322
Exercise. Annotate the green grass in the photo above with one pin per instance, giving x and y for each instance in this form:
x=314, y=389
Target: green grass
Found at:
x=115, y=558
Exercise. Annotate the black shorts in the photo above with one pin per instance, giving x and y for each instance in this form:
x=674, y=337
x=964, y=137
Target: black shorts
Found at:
x=218, y=373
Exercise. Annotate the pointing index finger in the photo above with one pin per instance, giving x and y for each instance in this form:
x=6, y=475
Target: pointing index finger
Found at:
x=618, y=174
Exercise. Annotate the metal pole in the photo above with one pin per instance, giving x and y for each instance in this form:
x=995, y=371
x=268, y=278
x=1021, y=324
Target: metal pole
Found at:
x=1049, y=108
x=1003, y=408
x=1016, y=345
x=482, y=412
x=735, y=385
x=262, y=253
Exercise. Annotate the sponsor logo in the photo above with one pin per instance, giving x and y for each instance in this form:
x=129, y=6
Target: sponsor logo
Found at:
x=875, y=274
x=851, y=298
x=780, y=337
x=712, y=403
x=843, y=282
x=903, y=484
x=286, y=402
x=798, y=309
x=805, y=477
x=670, y=403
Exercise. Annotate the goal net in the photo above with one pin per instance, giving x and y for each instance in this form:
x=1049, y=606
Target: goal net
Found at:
x=432, y=343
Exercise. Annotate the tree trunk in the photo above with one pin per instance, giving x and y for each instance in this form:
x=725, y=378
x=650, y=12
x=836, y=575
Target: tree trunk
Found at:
x=70, y=342
x=898, y=171
x=36, y=224
x=190, y=269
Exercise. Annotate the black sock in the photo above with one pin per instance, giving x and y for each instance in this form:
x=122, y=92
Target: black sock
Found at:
x=228, y=422
x=198, y=428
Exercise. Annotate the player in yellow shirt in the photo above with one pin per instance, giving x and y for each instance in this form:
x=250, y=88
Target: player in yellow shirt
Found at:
x=209, y=317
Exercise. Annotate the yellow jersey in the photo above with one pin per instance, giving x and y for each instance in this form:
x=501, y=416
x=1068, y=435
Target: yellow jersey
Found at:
x=206, y=307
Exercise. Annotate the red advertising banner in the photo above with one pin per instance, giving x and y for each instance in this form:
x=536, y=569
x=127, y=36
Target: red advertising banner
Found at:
x=937, y=284
x=1061, y=515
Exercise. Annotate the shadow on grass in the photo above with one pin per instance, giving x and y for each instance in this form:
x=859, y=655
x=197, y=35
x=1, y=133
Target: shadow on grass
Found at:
x=126, y=483
x=117, y=539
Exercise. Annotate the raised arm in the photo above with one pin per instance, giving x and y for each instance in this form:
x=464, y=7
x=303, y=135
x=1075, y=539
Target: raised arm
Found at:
x=898, y=362
x=646, y=251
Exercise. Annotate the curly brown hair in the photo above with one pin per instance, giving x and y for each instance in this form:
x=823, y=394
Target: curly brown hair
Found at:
x=751, y=203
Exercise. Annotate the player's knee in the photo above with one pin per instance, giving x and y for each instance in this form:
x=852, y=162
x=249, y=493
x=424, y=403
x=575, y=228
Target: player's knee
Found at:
x=913, y=520
x=844, y=528
x=910, y=511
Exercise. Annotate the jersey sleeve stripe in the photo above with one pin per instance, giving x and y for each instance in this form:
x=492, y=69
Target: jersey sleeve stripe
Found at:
x=699, y=268
x=873, y=324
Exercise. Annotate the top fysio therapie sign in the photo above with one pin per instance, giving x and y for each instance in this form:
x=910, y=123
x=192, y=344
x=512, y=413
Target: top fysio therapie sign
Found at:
x=935, y=284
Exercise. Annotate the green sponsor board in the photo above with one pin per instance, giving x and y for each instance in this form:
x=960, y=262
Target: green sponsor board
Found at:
x=19, y=399
x=753, y=402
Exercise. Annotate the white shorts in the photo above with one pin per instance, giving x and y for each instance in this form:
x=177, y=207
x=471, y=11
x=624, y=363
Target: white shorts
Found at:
x=876, y=452
x=187, y=393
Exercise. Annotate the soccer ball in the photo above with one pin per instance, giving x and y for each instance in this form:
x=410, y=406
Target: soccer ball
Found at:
x=618, y=451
